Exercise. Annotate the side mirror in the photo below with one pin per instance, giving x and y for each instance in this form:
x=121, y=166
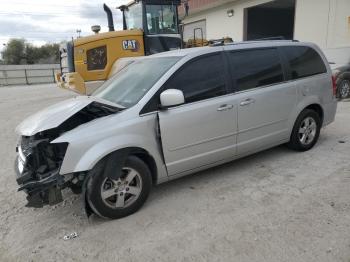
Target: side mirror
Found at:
x=171, y=97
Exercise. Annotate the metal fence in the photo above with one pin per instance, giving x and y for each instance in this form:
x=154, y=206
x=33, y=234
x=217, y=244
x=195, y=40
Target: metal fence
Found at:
x=28, y=74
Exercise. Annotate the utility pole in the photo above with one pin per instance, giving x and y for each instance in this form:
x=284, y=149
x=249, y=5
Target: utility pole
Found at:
x=78, y=32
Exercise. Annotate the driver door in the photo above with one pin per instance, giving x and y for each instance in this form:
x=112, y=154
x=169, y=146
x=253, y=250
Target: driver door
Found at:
x=204, y=129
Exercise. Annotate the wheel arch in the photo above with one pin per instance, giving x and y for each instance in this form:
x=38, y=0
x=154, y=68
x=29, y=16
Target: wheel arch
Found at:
x=343, y=76
x=78, y=159
x=147, y=158
x=312, y=103
x=139, y=152
x=318, y=109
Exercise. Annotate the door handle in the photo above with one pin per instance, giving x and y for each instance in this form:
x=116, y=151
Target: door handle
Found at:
x=248, y=101
x=225, y=107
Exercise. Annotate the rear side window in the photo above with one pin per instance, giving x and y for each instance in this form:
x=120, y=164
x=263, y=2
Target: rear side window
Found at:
x=255, y=68
x=303, y=61
x=200, y=79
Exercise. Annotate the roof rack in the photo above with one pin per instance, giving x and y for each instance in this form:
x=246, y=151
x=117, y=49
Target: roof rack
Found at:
x=221, y=42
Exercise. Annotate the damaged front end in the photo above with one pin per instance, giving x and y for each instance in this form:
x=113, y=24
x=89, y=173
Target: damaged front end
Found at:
x=38, y=160
x=37, y=167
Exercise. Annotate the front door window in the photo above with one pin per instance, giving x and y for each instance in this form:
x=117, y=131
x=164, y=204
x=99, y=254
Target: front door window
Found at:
x=161, y=19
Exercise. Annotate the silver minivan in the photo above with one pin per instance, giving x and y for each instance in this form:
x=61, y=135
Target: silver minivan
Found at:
x=172, y=114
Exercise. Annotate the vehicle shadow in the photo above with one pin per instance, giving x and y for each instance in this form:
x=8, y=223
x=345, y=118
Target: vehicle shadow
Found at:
x=167, y=191
x=229, y=169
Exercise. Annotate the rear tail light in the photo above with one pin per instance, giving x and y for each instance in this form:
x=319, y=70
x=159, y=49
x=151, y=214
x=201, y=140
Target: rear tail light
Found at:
x=334, y=86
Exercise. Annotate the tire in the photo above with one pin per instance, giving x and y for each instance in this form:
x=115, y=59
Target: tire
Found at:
x=300, y=141
x=343, y=89
x=119, y=198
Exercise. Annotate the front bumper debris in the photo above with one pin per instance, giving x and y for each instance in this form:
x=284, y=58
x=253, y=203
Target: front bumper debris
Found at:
x=45, y=191
x=37, y=168
x=39, y=160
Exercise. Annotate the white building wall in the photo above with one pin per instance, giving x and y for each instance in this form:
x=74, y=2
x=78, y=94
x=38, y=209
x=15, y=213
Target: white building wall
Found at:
x=220, y=25
x=324, y=22
x=311, y=21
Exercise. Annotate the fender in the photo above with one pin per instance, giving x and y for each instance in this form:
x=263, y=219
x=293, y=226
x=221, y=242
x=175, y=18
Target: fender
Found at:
x=84, y=160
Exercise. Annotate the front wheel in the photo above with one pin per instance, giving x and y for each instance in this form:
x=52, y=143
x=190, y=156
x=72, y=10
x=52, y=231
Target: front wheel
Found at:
x=121, y=197
x=306, y=131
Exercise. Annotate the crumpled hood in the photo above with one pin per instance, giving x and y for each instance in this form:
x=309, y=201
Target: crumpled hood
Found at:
x=53, y=116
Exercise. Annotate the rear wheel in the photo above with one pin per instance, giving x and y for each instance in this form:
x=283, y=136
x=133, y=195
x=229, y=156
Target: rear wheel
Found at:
x=306, y=131
x=116, y=198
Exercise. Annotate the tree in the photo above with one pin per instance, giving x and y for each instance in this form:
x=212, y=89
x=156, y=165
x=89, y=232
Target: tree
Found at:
x=49, y=53
x=31, y=54
x=19, y=51
x=14, y=52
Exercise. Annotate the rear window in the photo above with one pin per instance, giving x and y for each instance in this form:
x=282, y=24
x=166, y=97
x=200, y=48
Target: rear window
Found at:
x=304, y=61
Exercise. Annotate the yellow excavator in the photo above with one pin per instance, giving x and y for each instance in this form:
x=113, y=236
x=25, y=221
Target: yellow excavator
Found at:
x=149, y=27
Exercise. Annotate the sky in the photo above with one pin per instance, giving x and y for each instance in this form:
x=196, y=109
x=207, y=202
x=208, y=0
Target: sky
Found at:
x=48, y=21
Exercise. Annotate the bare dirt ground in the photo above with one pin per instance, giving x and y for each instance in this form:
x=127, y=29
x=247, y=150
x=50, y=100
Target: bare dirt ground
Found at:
x=277, y=205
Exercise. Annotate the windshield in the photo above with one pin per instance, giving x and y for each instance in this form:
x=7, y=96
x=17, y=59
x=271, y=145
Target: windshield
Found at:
x=161, y=19
x=133, y=17
x=130, y=84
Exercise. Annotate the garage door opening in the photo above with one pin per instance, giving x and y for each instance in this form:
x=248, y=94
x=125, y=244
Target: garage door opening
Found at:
x=273, y=19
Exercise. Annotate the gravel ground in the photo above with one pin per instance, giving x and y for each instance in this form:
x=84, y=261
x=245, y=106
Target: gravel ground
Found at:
x=277, y=205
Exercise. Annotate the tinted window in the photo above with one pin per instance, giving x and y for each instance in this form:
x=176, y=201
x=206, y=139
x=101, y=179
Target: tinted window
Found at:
x=200, y=79
x=304, y=61
x=255, y=68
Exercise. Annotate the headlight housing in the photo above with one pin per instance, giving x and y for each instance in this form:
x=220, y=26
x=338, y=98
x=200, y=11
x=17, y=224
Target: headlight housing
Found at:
x=21, y=155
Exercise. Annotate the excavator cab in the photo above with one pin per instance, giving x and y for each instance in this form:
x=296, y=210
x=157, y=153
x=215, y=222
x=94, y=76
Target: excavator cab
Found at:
x=159, y=21
x=149, y=27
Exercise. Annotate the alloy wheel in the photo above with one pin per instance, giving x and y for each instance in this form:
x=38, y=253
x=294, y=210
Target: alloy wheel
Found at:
x=344, y=89
x=307, y=131
x=122, y=192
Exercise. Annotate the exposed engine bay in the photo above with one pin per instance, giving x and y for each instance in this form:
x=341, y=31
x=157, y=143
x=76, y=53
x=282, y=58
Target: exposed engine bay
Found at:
x=39, y=161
